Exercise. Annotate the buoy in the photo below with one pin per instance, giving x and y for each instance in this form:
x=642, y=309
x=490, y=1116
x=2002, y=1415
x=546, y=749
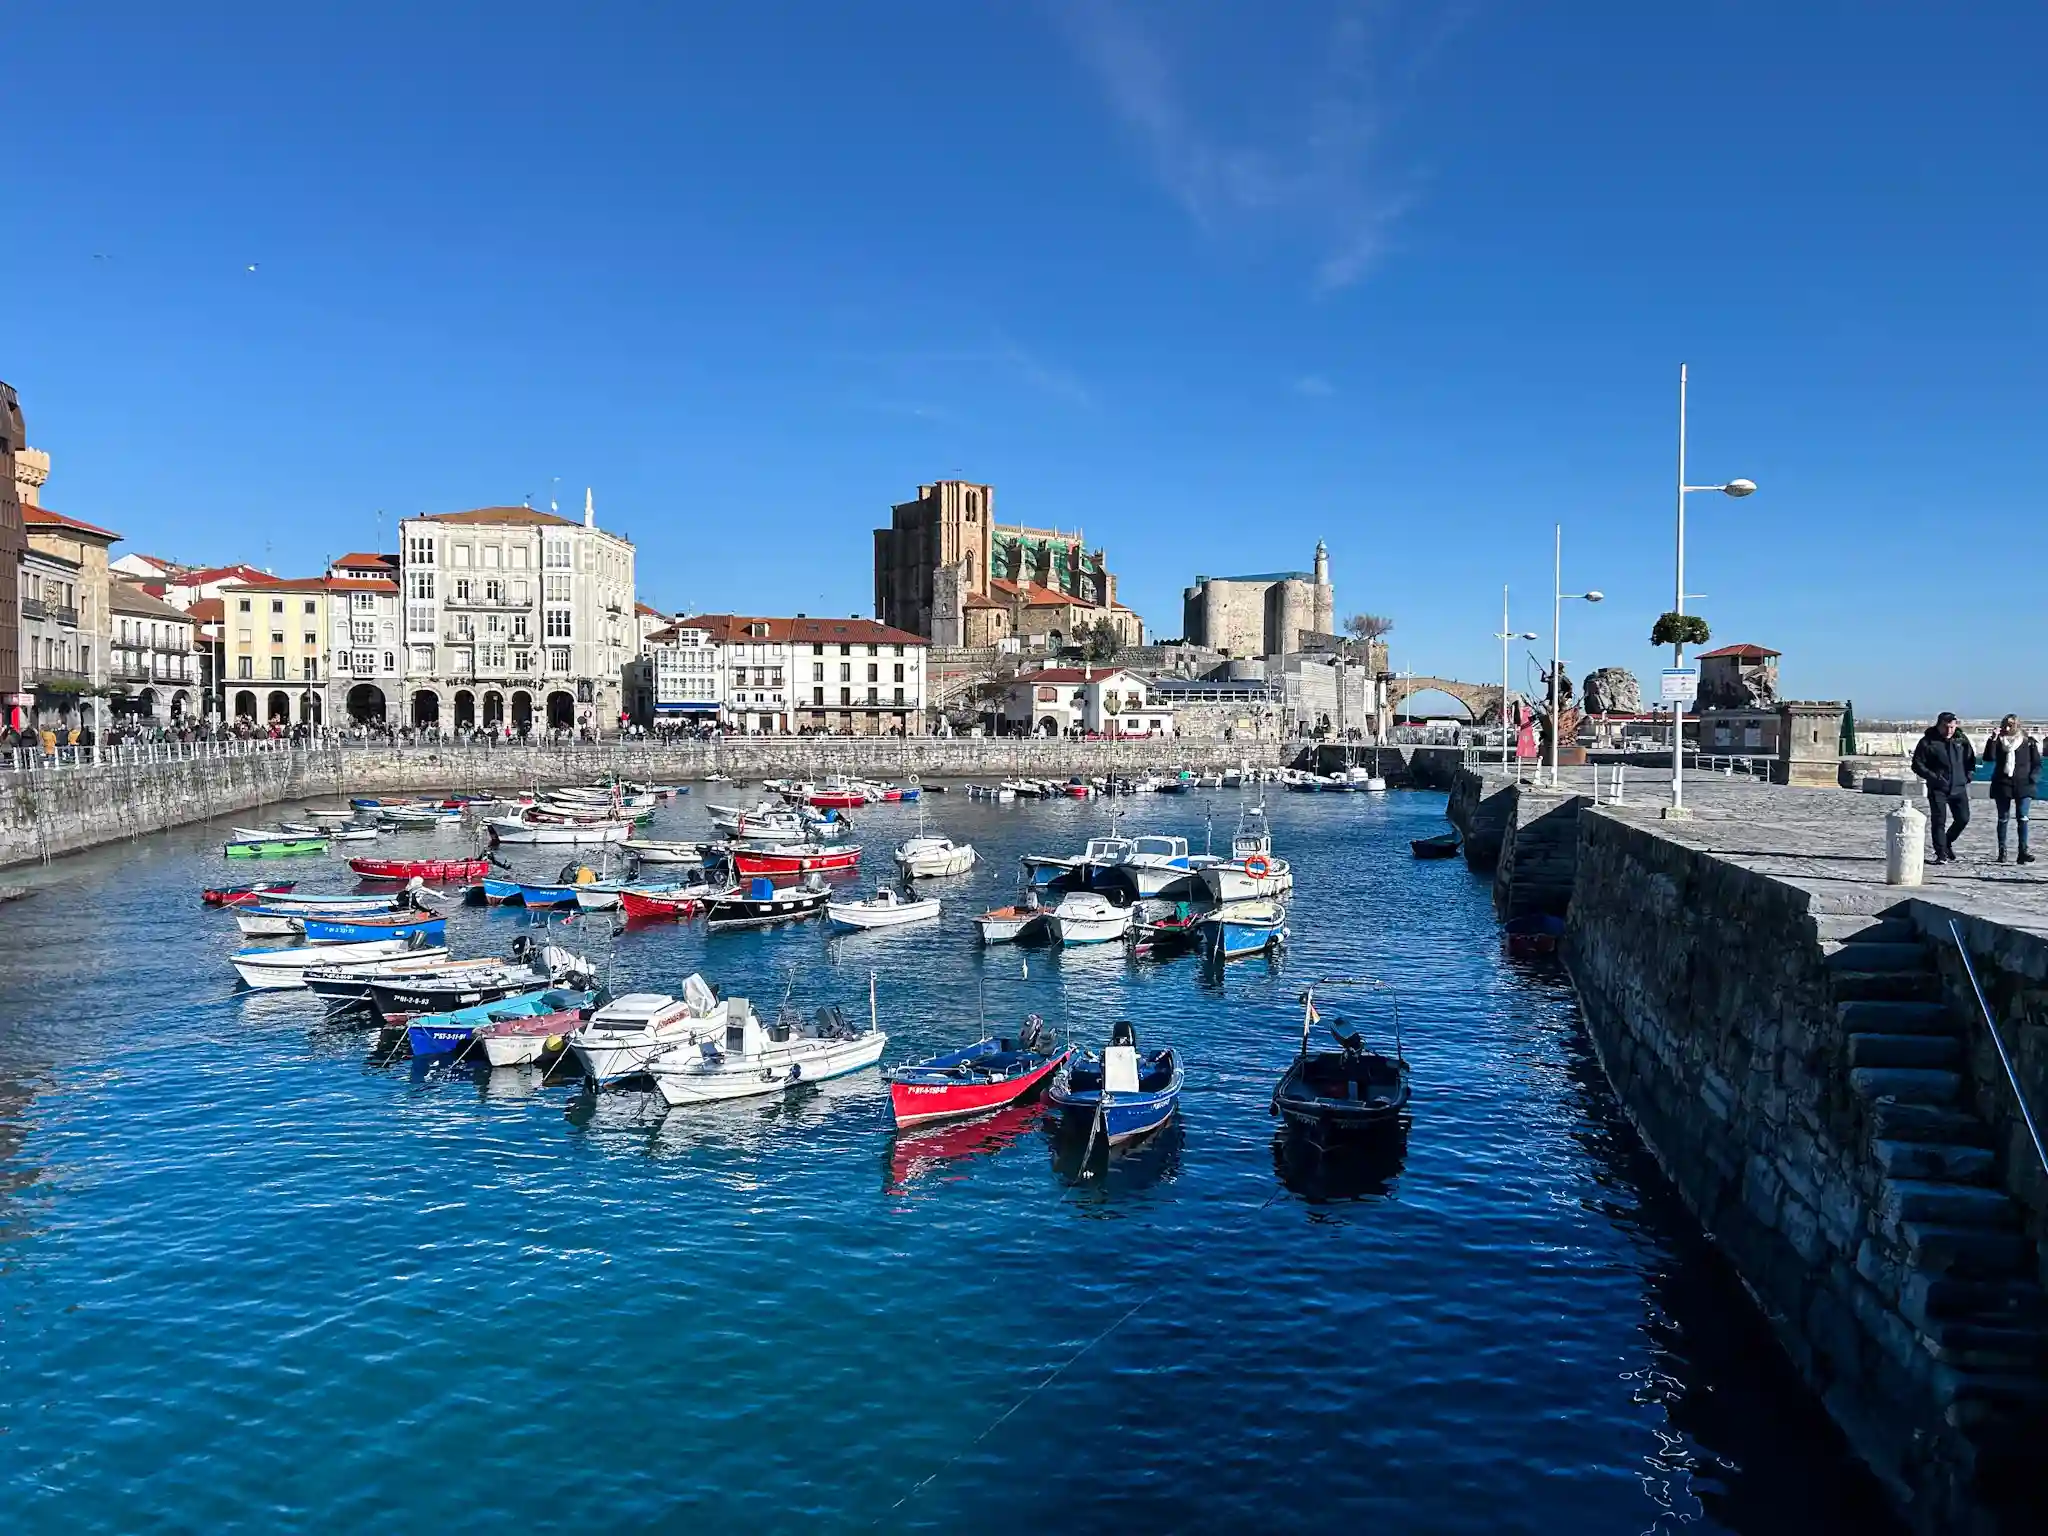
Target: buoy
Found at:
x=552, y=1043
x=1257, y=867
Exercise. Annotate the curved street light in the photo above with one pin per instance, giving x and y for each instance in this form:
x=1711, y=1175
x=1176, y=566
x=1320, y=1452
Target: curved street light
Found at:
x=1559, y=598
x=1505, y=635
x=1736, y=488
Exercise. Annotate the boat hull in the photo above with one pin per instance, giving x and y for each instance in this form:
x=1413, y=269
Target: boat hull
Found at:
x=854, y=914
x=279, y=848
x=771, y=1072
x=436, y=871
x=280, y=969
x=914, y=1103
x=1231, y=882
x=1007, y=928
x=821, y=862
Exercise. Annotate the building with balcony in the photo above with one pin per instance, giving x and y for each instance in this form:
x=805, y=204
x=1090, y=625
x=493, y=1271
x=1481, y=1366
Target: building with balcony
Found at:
x=55, y=662
x=514, y=618
x=1104, y=701
x=840, y=676
x=274, y=638
x=678, y=679
x=365, y=666
x=153, y=671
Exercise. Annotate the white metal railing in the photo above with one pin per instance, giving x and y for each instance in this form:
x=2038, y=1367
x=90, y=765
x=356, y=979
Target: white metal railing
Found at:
x=2005, y=1060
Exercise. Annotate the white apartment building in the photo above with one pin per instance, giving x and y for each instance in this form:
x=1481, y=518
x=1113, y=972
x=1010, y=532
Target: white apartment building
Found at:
x=365, y=667
x=1106, y=701
x=843, y=676
x=514, y=617
x=677, y=677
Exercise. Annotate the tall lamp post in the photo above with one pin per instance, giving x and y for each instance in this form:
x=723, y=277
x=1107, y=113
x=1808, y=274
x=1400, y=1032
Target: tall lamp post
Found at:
x=1559, y=596
x=1737, y=488
x=1505, y=637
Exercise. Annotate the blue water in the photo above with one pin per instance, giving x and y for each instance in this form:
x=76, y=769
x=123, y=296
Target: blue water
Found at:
x=252, y=1277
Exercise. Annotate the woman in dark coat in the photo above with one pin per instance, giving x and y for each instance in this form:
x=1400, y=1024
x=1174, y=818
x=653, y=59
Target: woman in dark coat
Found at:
x=2015, y=759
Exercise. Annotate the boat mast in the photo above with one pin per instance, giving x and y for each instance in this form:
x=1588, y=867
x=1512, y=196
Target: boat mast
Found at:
x=1308, y=1013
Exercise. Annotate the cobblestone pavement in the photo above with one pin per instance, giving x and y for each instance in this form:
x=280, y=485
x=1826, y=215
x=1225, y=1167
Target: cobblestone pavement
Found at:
x=1828, y=841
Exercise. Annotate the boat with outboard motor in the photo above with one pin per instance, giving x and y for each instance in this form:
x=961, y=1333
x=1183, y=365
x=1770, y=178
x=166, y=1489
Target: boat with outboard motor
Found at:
x=752, y=1060
x=626, y=1036
x=1012, y=924
x=347, y=985
x=1120, y=1095
x=398, y=997
x=437, y=1034
x=1087, y=917
x=279, y=969
x=1242, y=928
x=987, y=1075
x=1351, y=1091
x=761, y=902
x=930, y=858
x=887, y=908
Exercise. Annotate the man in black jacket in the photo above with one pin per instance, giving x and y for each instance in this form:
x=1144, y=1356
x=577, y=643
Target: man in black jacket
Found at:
x=1945, y=763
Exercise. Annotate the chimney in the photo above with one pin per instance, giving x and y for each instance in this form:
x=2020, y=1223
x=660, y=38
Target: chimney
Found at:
x=589, y=509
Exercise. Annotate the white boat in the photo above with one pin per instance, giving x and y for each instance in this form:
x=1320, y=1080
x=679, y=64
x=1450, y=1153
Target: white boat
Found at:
x=1157, y=865
x=885, y=909
x=751, y=1060
x=1251, y=872
x=653, y=852
x=277, y=969
x=1087, y=917
x=516, y=830
x=622, y=1038
x=926, y=858
x=1006, y=925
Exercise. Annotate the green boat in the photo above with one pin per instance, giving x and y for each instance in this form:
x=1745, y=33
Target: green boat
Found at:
x=273, y=847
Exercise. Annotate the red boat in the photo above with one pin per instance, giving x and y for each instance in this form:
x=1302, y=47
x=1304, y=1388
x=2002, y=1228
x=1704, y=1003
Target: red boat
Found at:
x=801, y=859
x=438, y=871
x=242, y=895
x=983, y=1076
x=838, y=800
x=641, y=905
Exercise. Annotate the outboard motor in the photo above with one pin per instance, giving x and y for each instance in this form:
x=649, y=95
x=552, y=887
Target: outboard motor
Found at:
x=1033, y=1031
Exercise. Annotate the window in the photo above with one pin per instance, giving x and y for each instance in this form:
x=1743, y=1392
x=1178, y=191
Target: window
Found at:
x=243, y=605
x=558, y=658
x=874, y=650
x=899, y=671
x=462, y=627
x=518, y=625
x=494, y=591
x=363, y=663
x=494, y=658
x=845, y=649
x=420, y=584
x=420, y=549
x=311, y=669
x=899, y=696
x=817, y=695
x=363, y=602
x=522, y=591
x=558, y=624
x=874, y=696
x=277, y=669
x=760, y=677
x=462, y=589
x=421, y=660
x=557, y=589
x=522, y=661
x=310, y=608
x=845, y=672
x=310, y=638
x=390, y=661
x=277, y=637
x=846, y=696
x=817, y=671
x=244, y=666
x=818, y=648
x=874, y=673
x=899, y=650
x=518, y=558
x=555, y=554
x=277, y=605
x=493, y=555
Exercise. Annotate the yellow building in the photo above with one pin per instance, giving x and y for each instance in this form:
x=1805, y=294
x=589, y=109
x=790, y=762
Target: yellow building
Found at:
x=274, y=650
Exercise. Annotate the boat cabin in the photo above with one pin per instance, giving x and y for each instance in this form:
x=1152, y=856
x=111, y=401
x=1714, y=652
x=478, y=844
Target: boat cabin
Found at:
x=1160, y=850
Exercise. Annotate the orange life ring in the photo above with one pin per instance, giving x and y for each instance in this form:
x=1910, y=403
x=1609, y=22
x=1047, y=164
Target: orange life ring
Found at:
x=1257, y=867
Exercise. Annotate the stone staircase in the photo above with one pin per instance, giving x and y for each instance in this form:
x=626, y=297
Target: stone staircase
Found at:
x=1968, y=1276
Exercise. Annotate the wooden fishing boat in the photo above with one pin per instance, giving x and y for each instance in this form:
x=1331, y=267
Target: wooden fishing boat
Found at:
x=1166, y=927
x=1010, y=925
x=1348, y=1092
x=273, y=922
x=347, y=985
x=654, y=852
x=349, y=930
x=887, y=908
x=626, y=1036
x=512, y=1039
x=439, y=871
x=1245, y=928
x=802, y=859
x=1442, y=846
x=278, y=846
x=761, y=902
x=752, y=1060
x=975, y=1079
x=273, y=969
x=836, y=799
x=929, y=858
x=520, y=831
x=437, y=1034
x=245, y=895
x=397, y=999
x=663, y=903
x=1120, y=1095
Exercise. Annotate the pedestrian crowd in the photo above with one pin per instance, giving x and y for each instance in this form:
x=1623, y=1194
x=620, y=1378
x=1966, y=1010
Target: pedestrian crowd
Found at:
x=1945, y=762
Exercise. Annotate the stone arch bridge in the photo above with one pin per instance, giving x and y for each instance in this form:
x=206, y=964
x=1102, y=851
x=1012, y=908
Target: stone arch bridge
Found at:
x=1481, y=700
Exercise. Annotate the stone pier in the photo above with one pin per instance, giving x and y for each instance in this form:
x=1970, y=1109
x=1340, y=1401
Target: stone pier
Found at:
x=1802, y=1048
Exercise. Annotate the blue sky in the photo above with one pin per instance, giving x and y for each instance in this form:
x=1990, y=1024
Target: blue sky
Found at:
x=1207, y=280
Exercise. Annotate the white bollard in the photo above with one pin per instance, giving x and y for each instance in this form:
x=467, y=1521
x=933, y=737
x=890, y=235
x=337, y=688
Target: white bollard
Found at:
x=1905, y=860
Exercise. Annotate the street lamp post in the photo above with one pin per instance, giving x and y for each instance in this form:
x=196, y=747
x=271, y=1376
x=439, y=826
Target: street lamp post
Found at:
x=1505, y=637
x=1559, y=595
x=1737, y=488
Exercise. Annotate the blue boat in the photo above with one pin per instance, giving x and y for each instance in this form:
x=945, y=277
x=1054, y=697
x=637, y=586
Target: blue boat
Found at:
x=436, y=1034
x=498, y=892
x=1120, y=1095
x=346, y=930
x=1242, y=928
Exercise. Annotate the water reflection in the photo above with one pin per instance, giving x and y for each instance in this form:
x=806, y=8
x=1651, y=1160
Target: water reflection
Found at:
x=1358, y=1168
x=1106, y=1171
x=938, y=1151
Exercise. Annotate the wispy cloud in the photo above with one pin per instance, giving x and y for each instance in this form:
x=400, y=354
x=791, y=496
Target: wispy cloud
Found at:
x=1315, y=386
x=1319, y=173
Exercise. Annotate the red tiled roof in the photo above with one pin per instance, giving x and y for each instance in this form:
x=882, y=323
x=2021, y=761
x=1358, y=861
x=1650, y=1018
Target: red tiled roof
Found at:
x=129, y=597
x=43, y=517
x=517, y=516
x=209, y=610
x=978, y=601
x=244, y=573
x=1037, y=595
x=1745, y=652
x=360, y=560
x=306, y=584
x=733, y=626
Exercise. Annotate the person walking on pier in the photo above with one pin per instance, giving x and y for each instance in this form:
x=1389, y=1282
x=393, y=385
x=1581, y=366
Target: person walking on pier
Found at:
x=1945, y=763
x=2015, y=759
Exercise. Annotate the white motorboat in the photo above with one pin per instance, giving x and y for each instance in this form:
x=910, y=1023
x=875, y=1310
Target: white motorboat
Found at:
x=1087, y=917
x=624, y=1037
x=1007, y=925
x=752, y=1060
x=887, y=908
x=347, y=986
x=926, y=858
x=1157, y=866
x=654, y=852
x=514, y=830
x=278, y=969
x=1251, y=872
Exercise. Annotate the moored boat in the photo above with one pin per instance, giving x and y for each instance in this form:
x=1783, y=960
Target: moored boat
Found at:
x=653, y=903
x=436, y=1034
x=275, y=969
x=1120, y=1095
x=623, y=1038
x=512, y=1039
x=797, y=859
x=513, y=830
x=753, y=1060
x=282, y=845
x=1350, y=1091
x=887, y=908
x=1012, y=924
x=927, y=858
x=1244, y=928
x=975, y=1079
x=1443, y=846
x=437, y=871
x=762, y=902
x=1087, y=917
x=430, y=928
x=247, y=894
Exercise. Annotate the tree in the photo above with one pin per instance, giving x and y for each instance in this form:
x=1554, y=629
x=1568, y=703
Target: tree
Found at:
x=1099, y=641
x=1369, y=627
x=1680, y=629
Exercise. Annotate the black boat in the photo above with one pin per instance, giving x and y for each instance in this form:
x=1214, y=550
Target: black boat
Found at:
x=1443, y=846
x=1351, y=1091
x=762, y=902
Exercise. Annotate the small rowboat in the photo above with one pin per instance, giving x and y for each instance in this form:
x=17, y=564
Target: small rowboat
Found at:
x=439, y=871
x=1347, y=1092
x=645, y=903
x=513, y=1039
x=243, y=895
x=277, y=847
x=350, y=930
x=1119, y=1096
x=270, y=969
x=652, y=852
x=837, y=800
x=887, y=908
x=1008, y=925
x=803, y=859
x=436, y=1034
x=975, y=1079
x=1245, y=928
x=1443, y=846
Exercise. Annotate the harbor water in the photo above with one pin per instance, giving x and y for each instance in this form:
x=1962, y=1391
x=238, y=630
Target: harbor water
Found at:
x=254, y=1276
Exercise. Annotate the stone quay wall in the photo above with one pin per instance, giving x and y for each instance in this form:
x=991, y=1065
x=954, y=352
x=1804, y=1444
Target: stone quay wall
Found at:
x=56, y=811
